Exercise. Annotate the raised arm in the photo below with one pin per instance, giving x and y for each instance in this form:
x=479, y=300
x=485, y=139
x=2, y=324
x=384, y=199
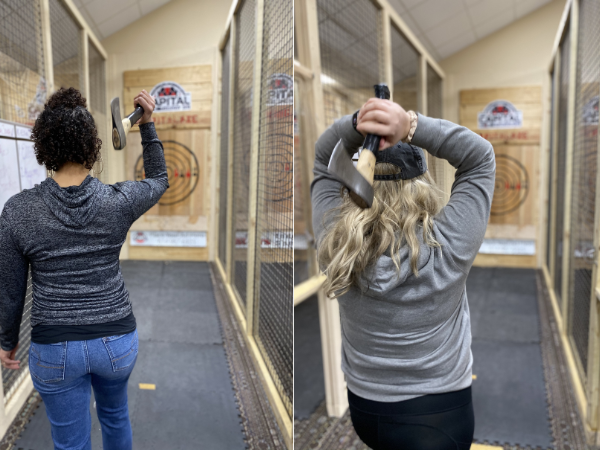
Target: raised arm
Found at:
x=464, y=219
x=325, y=189
x=143, y=195
x=14, y=267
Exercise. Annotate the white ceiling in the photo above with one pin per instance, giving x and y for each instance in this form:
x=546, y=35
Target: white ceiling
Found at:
x=443, y=26
x=446, y=26
x=106, y=17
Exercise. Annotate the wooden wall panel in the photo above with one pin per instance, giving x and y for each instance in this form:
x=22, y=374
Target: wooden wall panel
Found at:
x=186, y=137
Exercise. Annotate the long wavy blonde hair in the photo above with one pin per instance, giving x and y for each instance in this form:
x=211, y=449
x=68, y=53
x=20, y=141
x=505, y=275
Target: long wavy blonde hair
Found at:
x=357, y=237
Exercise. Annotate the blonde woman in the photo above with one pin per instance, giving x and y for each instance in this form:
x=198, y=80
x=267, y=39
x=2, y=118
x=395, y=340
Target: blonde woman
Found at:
x=399, y=271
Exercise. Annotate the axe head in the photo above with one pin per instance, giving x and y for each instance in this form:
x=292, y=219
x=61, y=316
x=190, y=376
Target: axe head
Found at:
x=343, y=169
x=119, y=137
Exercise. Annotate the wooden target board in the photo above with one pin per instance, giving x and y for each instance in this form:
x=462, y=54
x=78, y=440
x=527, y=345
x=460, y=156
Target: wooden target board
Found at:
x=185, y=135
x=511, y=119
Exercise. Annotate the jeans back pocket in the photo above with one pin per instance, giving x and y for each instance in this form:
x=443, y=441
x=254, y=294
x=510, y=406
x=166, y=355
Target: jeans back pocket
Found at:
x=122, y=350
x=47, y=361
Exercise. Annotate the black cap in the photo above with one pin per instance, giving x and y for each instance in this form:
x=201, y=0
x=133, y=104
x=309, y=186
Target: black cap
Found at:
x=410, y=159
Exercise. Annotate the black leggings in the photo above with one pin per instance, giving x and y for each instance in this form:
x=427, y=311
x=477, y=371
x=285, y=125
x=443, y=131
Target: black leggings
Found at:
x=430, y=422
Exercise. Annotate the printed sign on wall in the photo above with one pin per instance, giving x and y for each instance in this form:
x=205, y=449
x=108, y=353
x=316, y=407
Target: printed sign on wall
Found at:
x=170, y=96
x=500, y=114
x=168, y=238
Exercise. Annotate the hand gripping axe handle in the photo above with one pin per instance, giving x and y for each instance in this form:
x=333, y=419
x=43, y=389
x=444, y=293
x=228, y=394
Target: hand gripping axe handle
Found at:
x=359, y=179
x=122, y=127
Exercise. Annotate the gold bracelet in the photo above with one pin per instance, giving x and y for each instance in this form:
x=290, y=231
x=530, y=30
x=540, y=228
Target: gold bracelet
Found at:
x=413, y=125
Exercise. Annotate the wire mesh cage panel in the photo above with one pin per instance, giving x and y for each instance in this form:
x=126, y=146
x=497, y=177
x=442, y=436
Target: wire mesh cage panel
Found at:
x=97, y=106
x=242, y=140
x=561, y=162
x=300, y=226
x=405, y=64
x=585, y=153
x=224, y=156
x=12, y=378
x=65, y=47
x=275, y=215
x=351, y=59
x=22, y=82
x=550, y=171
x=437, y=166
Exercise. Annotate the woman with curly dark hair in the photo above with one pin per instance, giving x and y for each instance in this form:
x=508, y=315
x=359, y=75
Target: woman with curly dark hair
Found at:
x=71, y=228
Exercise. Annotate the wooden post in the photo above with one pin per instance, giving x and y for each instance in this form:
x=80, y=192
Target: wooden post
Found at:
x=422, y=85
x=554, y=174
x=253, y=267
x=47, y=46
x=215, y=178
x=386, y=52
x=573, y=28
x=229, y=246
x=84, y=62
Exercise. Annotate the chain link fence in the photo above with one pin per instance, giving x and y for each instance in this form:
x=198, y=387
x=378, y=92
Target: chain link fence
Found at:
x=224, y=150
x=266, y=301
x=97, y=106
x=351, y=62
x=66, y=43
x=22, y=82
x=585, y=153
x=275, y=215
x=563, y=93
x=242, y=140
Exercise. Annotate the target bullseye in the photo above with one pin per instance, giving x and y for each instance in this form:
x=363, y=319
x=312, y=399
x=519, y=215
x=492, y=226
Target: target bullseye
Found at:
x=182, y=170
x=512, y=185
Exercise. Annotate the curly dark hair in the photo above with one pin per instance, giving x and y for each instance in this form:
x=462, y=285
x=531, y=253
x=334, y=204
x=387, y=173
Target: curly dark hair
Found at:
x=65, y=131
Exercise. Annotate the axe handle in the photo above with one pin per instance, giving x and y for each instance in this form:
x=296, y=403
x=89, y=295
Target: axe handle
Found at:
x=132, y=118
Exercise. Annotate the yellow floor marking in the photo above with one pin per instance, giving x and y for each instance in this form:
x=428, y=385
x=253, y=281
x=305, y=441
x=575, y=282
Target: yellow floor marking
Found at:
x=484, y=447
x=474, y=377
x=150, y=387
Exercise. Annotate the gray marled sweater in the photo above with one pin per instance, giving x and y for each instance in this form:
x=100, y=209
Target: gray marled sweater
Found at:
x=72, y=237
x=408, y=336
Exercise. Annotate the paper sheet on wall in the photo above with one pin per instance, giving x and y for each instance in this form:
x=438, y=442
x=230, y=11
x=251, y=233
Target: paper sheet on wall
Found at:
x=31, y=172
x=9, y=181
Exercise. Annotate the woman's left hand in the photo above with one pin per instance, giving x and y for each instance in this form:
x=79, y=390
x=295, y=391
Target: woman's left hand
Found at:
x=7, y=357
x=383, y=118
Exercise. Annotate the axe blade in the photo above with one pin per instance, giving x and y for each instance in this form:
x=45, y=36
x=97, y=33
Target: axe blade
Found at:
x=343, y=169
x=119, y=137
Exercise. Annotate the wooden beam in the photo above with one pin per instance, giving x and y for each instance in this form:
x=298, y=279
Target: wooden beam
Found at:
x=573, y=28
x=252, y=266
x=229, y=245
x=386, y=51
x=84, y=62
x=308, y=288
x=74, y=12
x=409, y=36
x=560, y=32
x=235, y=6
x=47, y=46
x=215, y=159
x=302, y=72
x=554, y=174
x=422, y=85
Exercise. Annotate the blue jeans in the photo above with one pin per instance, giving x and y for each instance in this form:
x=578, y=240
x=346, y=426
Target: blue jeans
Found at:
x=62, y=373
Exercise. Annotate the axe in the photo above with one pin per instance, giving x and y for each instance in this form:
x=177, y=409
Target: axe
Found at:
x=122, y=127
x=359, y=179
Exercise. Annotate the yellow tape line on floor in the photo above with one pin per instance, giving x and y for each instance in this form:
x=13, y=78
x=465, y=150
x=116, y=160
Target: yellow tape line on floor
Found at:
x=485, y=447
x=150, y=387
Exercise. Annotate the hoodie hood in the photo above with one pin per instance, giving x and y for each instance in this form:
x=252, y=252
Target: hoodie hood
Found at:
x=74, y=206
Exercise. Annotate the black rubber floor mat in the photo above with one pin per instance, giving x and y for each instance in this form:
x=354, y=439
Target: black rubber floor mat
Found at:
x=308, y=360
x=182, y=354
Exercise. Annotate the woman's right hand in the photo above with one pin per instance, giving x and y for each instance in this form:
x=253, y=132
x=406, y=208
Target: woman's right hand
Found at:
x=146, y=101
x=383, y=118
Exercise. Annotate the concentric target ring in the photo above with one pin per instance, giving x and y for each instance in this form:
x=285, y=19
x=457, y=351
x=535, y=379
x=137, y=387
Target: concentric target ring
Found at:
x=279, y=167
x=183, y=171
x=511, y=186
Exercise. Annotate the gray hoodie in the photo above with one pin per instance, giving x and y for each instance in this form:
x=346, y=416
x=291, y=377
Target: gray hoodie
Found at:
x=72, y=237
x=405, y=336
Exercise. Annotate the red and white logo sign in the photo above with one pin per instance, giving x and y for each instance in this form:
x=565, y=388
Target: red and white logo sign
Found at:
x=500, y=114
x=170, y=96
